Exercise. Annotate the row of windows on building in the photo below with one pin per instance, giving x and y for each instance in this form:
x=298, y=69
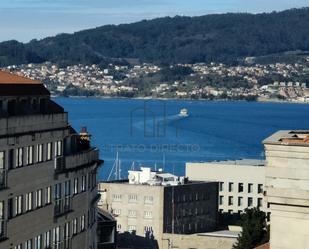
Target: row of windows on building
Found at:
x=132, y=228
x=58, y=237
x=240, y=201
x=29, y=155
x=241, y=187
x=132, y=198
x=76, y=186
x=41, y=197
x=133, y=213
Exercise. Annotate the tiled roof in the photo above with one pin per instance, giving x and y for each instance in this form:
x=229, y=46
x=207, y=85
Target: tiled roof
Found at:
x=15, y=85
x=9, y=78
x=264, y=246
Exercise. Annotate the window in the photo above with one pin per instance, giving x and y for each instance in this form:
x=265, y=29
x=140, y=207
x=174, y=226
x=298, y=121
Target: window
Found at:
x=29, y=155
x=250, y=188
x=58, y=148
x=221, y=186
x=29, y=201
x=148, y=199
x=38, y=198
x=49, y=152
x=28, y=244
x=231, y=199
x=260, y=202
x=74, y=226
x=57, y=193
x=221, y=200
x=18, y=204
x=240, y=187
x=132, y=213
x=117, y=197
x=39, y=153
x=75, y=190
x=2, y=231
x=48, y=195
x=66, y=231
x=67, y=188
x=231, y=186
x=2, y=160
x=260, y=188
x=38, y=242
x=148, y=215
x=240, y=201
x=131, y=228
x=116, y=211
x=47, y=239
x=118, y=227
x=56, y=235
x=148, y=229
x=132, y=198
x=20, y=246
x=82, y=223
x=19, y=157
x=250, y=202
x=83, y=188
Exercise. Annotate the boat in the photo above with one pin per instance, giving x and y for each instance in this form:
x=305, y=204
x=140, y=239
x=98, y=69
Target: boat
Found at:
x=183, y=113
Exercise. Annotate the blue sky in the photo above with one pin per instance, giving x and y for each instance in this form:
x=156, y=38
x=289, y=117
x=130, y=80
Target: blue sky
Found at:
x=24, y=20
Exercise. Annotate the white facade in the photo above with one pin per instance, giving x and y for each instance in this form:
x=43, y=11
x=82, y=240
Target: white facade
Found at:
x=287, y=188
x=241, y=182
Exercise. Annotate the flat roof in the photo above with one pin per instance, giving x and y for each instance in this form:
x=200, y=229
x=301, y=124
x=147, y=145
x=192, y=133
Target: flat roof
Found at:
x=289, y=137
x=222, y=233
x=240, y=162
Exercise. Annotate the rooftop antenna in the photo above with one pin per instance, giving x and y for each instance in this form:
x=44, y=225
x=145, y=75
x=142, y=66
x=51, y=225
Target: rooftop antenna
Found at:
x=156, y=167
x=133, y=166
x=163, y=161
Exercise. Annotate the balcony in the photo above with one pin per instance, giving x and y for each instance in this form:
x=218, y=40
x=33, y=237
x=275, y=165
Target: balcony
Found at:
x=62, y=206
x=3, y=179
x=29, y=123
x=70, y=162
x=65, y=244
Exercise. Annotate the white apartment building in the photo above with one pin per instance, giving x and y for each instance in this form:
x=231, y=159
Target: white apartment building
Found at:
x=241, y=182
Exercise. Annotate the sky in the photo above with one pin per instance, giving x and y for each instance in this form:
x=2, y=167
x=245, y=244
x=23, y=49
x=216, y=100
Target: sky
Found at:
x=24, y=20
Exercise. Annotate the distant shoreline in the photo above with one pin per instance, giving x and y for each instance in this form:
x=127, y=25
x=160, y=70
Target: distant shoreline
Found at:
x=182, y=99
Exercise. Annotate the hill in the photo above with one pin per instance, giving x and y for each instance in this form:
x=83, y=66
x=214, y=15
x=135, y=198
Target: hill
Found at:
x=220, y=38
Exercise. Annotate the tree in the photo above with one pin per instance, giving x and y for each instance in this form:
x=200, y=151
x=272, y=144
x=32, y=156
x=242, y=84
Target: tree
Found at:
x=254, y=230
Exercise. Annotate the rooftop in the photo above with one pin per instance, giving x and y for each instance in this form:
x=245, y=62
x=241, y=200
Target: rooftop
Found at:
x=240, y=162
x=289, y=137
x=9, y=78
x=15, y=85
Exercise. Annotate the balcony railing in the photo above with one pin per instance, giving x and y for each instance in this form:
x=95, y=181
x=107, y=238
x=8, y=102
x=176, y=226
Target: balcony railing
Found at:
x=62, y=206
x=65, y=163
x=3, y=179
x=65, y=244
x=36, y=122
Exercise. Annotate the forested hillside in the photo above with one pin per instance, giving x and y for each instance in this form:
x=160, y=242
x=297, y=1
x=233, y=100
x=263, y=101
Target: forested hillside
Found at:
x=221, y=38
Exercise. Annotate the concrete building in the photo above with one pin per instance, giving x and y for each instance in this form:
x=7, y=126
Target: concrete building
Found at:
x=211, y=240
x=152, y=203
x=48, y=186
x=287, y=188
x=241, y=182
x=107, y=233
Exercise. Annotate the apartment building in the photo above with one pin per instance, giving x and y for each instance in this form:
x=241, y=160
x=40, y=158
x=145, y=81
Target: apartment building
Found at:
x=151, y=203
x=48, y=185
x=287, y=188
x=241, y=182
